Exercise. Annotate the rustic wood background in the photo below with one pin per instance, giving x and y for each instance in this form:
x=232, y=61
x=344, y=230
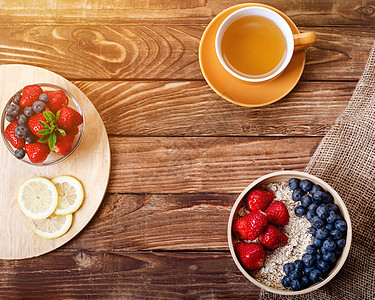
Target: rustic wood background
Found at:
x=180, y=153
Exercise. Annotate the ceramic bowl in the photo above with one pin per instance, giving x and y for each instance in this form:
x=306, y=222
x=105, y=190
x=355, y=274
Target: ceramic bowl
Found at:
x=285, y=176
x=52, y=158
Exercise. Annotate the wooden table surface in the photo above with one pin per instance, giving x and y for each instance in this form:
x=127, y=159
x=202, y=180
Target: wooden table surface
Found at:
x=180, y=153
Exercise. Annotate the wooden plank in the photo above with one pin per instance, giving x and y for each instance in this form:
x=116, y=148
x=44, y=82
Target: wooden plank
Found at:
x=192, y=108
x=203, y=164
x=89, y=275
x=162, y=51
x=307, y=13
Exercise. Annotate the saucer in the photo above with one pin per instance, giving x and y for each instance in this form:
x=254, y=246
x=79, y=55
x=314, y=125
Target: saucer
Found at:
x=238, y=91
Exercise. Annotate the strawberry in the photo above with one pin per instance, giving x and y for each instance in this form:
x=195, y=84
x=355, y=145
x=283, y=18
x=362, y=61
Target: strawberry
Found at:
x=15, y=141
x=259, y=199
x=251, y=255
x=272, y=238
x=69, y=118
x=64, y=143
x=30, y=94
x=37, y=152
x=57, y=99
x=73, y=131
x=277, y=213
x=34, y=124
x=250, y=226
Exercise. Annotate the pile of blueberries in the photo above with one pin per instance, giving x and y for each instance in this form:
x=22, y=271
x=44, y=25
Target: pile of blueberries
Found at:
x=14, y=112
x=328, y=230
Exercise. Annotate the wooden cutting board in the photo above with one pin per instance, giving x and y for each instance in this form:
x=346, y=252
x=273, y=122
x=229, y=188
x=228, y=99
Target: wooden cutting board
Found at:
x=90, y=164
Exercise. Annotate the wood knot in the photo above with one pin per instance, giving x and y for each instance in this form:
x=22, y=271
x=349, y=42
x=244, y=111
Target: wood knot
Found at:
x=367, y=10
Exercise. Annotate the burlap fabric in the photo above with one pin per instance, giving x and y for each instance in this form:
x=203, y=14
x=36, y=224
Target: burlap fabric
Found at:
x=345, y=159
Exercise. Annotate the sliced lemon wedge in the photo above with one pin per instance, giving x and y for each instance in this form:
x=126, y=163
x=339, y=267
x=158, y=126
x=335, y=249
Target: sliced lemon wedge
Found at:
x=37, y=198
x=70, y=192
x=52, y=227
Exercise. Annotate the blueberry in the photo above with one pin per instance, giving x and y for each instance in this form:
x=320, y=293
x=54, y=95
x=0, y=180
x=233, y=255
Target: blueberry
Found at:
x=39, y=106
x=310, y=249
x=329, y=227
x=31, y=138
x=305, y=281
x=20, y=153
x=307, y=270
x=317, y=243
x=334, y=208
x=341, y=243
x=306, y=200
x=28, y=111
x=336, y=234
x=341, y=225
x=305, y=185
x=295, y=285
x=17, y=98
x=285, y=281
x=293, y=183
x=318, y=256
x=289, y=267
x=340, y=217
x=299, y=265
x=295, y=274
x=322, y=234
x=310, y=215
x=319, y=196
x=322, y=265
x=331, y=217
x=299, y=211
x=308, y=259
x=9, y=118
x=43, y=97
x=329, y=245
x=312, y=231
x=12, y=109
x=315, y=275
x=21, y=131
x=315, y=188
x=328, y=199
x=337, y=252
x=312, y=207
x=22, y=119
x=317, y=222
x=297, y=194
x=329, y=257
x=322, y=211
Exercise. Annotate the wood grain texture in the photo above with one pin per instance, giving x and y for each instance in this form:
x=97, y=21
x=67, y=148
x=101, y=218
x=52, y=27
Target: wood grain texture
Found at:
x=307, y=13
x=147, y=52
x=203, y=164
x=192, y=108
x=89, y=163
x=88, y=275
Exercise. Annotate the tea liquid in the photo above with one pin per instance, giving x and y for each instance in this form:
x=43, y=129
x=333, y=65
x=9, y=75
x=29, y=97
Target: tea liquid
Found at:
x=253, y=46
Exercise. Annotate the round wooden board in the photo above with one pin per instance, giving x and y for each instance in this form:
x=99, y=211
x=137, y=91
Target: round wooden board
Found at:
x=90, y=164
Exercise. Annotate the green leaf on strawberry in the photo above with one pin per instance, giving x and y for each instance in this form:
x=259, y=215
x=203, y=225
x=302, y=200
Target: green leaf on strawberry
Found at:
x=61, y=131
x=52, y=141
x=50, y=116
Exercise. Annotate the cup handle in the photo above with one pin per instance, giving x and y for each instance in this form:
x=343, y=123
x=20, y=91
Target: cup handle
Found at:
x=303, y=40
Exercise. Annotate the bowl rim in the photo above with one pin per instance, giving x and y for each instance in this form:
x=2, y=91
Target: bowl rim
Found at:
x=337, y=200
x=82, y=126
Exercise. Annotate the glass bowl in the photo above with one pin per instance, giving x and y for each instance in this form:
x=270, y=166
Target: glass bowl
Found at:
x=53, y=158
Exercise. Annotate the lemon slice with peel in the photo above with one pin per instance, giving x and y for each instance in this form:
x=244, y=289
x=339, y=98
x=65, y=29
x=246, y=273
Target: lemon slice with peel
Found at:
x=70, y=194
x=37, y=198
x=52, y=227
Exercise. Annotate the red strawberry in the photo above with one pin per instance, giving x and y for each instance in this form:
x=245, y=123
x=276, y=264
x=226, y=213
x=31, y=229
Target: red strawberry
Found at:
x=64, y=143
x=259, y=199
x=57, y=99
x=73, y=131
x=272, y=238
x=34, y=124
x=277, y=213
x=15, y=141
x=30, y=94
x=250, y=226
x=69, y=118
x=37, y=152
x=251, y=255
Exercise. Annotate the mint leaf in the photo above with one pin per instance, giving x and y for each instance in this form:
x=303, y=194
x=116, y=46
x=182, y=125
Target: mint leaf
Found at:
x=52, y=141
x=44, y=139
x=49, y=115
x=61, y=131
x=44, y=132
x=44, y=124
x=58, y=114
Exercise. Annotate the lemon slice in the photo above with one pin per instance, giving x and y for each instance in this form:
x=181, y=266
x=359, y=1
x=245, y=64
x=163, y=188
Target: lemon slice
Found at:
x=70, y=194
x=52, y=227
x=37, y=198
